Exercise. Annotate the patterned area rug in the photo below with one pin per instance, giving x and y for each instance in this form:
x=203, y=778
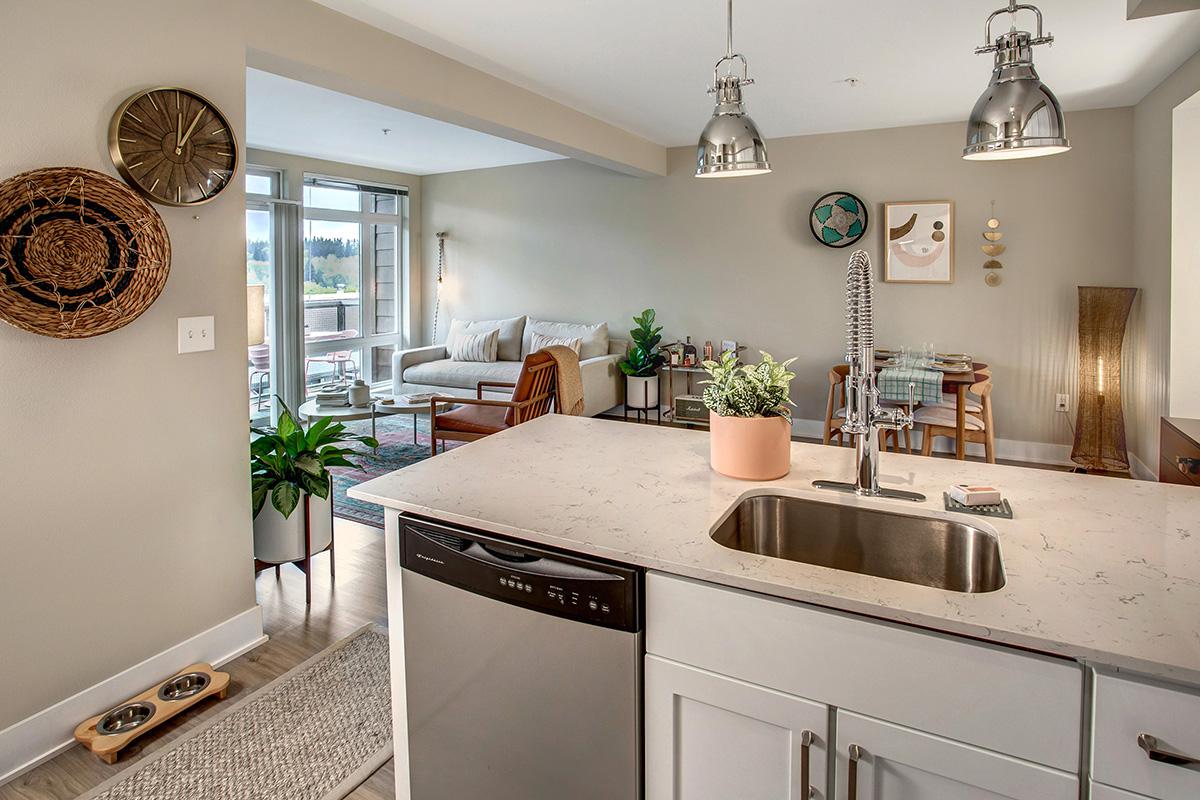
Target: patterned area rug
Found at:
x=314, y=733
x=396, y=451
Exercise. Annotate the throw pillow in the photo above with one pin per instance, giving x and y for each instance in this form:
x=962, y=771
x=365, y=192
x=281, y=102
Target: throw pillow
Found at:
x=595, y=337
x=476, y=346
x=541, y=340
x=511, y=331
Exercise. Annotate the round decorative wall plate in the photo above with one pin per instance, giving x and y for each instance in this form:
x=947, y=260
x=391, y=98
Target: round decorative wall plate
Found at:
x=838, y=219
x=81, y=254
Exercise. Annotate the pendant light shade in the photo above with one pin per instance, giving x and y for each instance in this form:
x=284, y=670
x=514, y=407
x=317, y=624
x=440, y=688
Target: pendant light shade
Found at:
x=1017, y=116
x=730, y=144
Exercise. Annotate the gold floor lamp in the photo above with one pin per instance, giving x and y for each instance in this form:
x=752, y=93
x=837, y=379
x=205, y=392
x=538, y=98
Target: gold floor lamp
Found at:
x=1099, y=418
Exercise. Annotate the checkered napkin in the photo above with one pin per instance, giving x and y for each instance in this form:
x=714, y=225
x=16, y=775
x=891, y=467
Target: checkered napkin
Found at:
x=893, y=384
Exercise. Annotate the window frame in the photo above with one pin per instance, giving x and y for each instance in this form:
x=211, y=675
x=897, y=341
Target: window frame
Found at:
x=369, y=338
x=274, y=175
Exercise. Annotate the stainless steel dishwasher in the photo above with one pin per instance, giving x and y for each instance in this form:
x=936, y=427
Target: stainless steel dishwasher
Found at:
x=523, y=670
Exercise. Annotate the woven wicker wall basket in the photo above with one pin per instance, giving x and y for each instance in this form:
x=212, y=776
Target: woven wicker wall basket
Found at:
x=80, y=253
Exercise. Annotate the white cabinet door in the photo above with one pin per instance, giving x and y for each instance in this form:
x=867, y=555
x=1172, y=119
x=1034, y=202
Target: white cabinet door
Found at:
x=880, y=761
x=1147, y=738
x=709, y=737
x=1102, y=792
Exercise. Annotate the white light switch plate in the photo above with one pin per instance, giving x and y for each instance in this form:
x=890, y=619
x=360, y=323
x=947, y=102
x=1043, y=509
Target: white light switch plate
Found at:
x=196, y=334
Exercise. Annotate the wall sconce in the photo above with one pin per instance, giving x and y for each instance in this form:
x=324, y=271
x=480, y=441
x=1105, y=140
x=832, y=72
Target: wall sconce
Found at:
x=1099, y=418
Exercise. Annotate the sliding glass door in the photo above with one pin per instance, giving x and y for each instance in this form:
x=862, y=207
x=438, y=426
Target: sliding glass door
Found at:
x=262, y=186
x=351, y=287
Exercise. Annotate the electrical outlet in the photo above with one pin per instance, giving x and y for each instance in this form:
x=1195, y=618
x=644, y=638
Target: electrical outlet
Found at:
x=196, y=334
x=1062, y=402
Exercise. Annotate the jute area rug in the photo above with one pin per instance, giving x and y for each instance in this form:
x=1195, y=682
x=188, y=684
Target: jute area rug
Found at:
x=314, y=733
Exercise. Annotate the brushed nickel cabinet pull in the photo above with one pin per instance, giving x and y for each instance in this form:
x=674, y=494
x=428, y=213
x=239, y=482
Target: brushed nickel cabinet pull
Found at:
x=806, y=740
x=856, y=753
x=1150, y=745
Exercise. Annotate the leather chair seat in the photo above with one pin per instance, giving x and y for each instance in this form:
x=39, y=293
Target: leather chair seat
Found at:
x=473, y=419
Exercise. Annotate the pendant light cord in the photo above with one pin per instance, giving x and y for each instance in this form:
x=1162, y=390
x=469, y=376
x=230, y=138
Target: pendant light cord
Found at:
x=437, y=303
x=729, y=29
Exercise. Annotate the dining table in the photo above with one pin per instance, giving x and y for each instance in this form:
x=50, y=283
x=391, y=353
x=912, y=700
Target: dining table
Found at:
x=958, y=384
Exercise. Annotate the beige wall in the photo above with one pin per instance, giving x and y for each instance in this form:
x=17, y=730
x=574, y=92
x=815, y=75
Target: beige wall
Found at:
x=294, y=168
x=735, y=259
x=1150, y=329
x=117, y=451
x=1184, y=400
x=124, y=482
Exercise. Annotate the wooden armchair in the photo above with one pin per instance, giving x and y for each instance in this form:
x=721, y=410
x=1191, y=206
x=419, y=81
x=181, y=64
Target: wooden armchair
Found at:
x=474, y=417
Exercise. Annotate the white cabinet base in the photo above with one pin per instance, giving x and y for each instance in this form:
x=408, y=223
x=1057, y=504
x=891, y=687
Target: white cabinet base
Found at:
x=901, y=764
x=709, y=737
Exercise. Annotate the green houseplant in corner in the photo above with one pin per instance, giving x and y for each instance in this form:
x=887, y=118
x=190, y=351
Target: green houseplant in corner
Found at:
x=642, y=362
x=750, y=426
x=290, y=466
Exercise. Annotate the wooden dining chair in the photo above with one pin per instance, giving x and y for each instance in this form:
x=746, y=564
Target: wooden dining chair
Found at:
x=942, y=421
x=474, y=417
x=835, y=406
x=835, y=413
x=974, y=404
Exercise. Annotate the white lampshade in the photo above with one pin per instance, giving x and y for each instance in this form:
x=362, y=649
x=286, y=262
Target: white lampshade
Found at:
x=256, y=313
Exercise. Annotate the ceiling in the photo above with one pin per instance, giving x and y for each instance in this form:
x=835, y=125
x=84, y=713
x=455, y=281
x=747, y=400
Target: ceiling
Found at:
x=644, y=66
x=293, y=117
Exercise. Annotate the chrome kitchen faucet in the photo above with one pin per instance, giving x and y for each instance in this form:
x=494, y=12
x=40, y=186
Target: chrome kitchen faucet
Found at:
x=864, y=416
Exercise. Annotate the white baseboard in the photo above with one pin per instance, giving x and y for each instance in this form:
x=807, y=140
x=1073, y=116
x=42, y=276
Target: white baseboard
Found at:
x=1007, y=449
x=49, y=732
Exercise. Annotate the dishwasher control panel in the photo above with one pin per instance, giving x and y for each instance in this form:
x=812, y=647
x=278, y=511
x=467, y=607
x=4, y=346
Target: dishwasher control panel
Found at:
x=564, y=585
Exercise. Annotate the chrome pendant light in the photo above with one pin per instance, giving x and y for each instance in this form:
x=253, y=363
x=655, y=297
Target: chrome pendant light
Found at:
x=730, y=144
x=1017, y=116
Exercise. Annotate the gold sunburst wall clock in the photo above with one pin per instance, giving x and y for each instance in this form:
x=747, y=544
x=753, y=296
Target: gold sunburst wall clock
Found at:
x=173, y=146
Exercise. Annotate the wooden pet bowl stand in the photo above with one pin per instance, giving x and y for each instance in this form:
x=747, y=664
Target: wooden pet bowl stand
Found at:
x=108, y=733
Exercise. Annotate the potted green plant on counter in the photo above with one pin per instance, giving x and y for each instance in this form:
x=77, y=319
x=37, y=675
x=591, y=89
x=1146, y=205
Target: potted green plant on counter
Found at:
x=642, y=362
x=750, y=424
x=290, y=465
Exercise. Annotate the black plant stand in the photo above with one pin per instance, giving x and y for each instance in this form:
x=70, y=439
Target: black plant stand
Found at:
x=642, y=414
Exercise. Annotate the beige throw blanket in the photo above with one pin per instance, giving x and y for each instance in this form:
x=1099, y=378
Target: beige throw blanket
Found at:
x=569, y=392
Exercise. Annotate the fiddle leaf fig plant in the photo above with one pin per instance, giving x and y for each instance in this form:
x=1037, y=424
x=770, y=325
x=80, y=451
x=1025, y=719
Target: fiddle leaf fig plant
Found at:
x=643, y=358
x=287, y=462
x=748, y=390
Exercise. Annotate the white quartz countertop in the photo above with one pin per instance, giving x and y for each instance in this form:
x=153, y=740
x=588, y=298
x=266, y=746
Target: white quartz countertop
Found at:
x=1104, y=570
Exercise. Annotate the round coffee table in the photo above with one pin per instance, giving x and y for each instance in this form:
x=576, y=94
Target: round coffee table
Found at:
x=309, y=411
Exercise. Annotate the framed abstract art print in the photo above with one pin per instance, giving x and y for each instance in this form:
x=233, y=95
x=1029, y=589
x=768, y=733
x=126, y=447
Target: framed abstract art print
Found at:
x=918, y=242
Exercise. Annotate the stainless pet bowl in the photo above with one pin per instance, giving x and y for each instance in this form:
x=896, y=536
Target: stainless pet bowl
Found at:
x=123, y=719
x=184, y=686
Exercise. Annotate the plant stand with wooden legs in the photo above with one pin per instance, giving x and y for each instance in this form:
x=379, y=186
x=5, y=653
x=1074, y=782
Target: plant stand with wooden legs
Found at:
x=305, y=564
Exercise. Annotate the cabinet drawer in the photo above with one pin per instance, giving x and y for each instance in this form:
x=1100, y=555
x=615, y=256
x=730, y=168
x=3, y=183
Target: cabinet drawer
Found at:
x=1173, y=445
x=1126, y=708
x=1021, y=704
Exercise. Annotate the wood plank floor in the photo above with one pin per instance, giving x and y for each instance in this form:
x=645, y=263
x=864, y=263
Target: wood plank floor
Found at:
x=357, y=597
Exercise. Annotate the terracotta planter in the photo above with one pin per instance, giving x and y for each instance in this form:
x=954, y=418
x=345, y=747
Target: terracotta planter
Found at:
x=750, y=448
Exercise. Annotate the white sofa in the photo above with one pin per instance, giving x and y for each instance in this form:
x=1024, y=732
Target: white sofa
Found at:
x=430, y=369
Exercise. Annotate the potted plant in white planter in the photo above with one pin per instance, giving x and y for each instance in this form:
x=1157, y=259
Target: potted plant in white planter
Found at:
x=750, y=425
x=290, y=465
x=642, y=362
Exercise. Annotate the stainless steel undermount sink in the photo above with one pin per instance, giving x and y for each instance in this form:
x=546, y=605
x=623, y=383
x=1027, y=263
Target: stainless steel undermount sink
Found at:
x=940, y=553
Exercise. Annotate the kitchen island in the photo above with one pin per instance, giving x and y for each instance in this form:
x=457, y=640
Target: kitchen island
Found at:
x=1100, y=573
